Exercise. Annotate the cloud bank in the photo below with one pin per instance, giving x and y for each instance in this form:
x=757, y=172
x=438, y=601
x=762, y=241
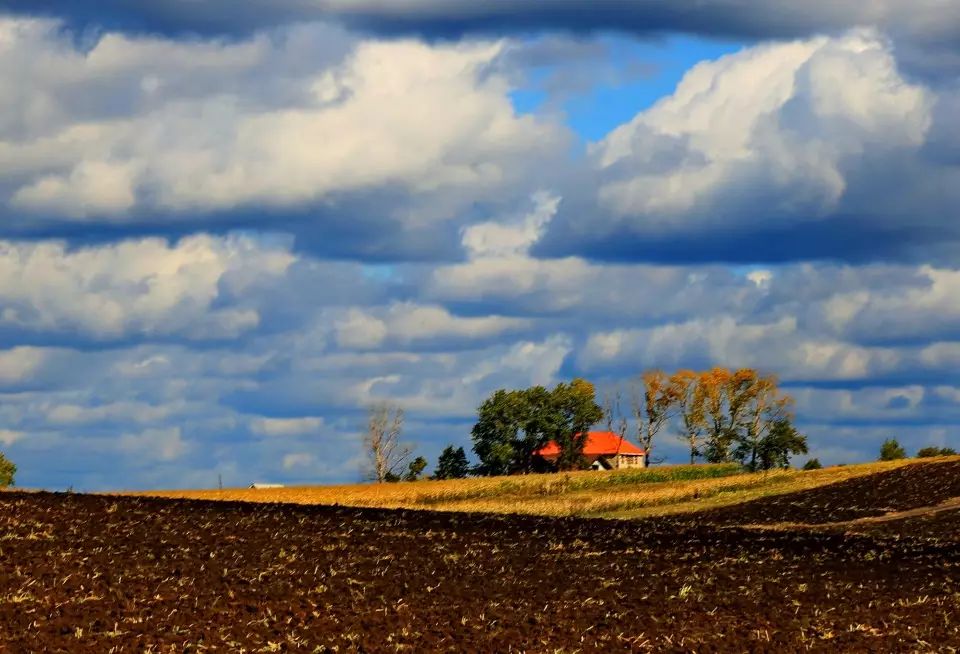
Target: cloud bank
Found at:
x=225, y=233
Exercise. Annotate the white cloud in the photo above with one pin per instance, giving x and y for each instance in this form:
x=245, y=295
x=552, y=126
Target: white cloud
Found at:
x=19, y=363
x=501, y=239
x=780, y=347
x=286, y=426
x=9, y=437
x=404, y=323
x=781, y=129
x=928, y=304
x=500, y=265
x=359, y=330
x=297, y=460
x=199, y=130
x=164, y=444
x=145, y=287
x=135, y=412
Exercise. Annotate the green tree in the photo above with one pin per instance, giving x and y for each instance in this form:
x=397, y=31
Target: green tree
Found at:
x=773, y=449
x=497, y=431
x=452, y=464
x=7, y=471
x=415, y=469
x=927, y=452
x=575, y=411
x=891, y=450
x=812, y=464
x=540, y=422
x=512, y=425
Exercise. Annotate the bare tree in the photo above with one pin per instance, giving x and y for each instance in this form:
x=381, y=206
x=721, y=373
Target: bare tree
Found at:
x=614, y=417
x=381, y=443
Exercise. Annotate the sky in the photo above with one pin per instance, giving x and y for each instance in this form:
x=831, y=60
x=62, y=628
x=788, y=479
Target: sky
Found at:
x=225, y=232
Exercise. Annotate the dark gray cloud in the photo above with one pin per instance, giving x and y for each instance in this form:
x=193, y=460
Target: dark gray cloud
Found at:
x=929, y=20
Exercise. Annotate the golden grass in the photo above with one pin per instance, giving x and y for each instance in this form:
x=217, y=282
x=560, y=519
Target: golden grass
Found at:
x=625, y=493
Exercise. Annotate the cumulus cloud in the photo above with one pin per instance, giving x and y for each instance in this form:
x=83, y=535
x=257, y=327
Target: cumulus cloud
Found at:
x=405, y=323
x=221, y=250
x=500, y=271
x=773, y=347
x=783, y=118
x=9, y=437
x=199, y=138
x=157, y=444
x=286, y=426
x=925, y=305
x=774, y=152
x=70, y=414
x=19, y=363
x=141, y=287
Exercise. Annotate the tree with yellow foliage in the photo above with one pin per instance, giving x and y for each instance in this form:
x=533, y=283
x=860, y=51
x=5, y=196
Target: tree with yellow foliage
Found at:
x=653, y=403
x=691, y=409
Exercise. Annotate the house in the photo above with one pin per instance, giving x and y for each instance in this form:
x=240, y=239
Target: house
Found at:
x=259, y=485
x=605, y=450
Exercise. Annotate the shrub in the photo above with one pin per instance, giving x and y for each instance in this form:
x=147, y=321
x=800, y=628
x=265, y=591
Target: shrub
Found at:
x=927, y=452
x=416, y=468
x=7, y=471
x=812, y=464
x=891, y=450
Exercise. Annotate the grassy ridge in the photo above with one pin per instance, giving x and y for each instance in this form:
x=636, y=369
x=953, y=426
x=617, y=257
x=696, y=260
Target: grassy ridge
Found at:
x=619, y=493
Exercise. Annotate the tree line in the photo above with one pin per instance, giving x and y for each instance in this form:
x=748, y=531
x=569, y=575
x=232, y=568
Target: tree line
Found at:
x=723, y=415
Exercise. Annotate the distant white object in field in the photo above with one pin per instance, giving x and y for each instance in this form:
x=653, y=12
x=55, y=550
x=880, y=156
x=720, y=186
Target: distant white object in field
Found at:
x=259, y=485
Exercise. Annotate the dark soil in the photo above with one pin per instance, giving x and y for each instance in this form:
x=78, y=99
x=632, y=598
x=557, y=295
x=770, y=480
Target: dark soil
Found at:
x=100, y=574
x=944, y=525
x=901, y=489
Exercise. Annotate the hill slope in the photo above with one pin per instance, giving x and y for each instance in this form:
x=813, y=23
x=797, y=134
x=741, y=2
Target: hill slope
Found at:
x=629, y=493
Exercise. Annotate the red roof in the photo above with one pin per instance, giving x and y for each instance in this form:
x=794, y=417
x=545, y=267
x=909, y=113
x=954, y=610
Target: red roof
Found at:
x=599, y=443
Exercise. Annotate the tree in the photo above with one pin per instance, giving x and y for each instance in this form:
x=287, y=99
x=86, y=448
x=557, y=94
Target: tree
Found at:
x=495, y=435
x=575, y=411
x=773, y=449
x=613, y=416
x=452, y=464
x=653, y=401
x=764, y=410
x=714, y=384
x=381, y=442
x=691, y=408
x=512, y=425
x=927, y=452
x=540, y=421
x=7, y=471
x=812, y=464
x=891, y=450
x=416, y=468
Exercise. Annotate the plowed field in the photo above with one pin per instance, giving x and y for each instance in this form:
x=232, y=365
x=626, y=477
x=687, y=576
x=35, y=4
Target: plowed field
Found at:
x=901, y=489
x=101, y=574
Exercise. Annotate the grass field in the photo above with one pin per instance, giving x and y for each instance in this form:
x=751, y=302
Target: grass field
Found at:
x=621, y=494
